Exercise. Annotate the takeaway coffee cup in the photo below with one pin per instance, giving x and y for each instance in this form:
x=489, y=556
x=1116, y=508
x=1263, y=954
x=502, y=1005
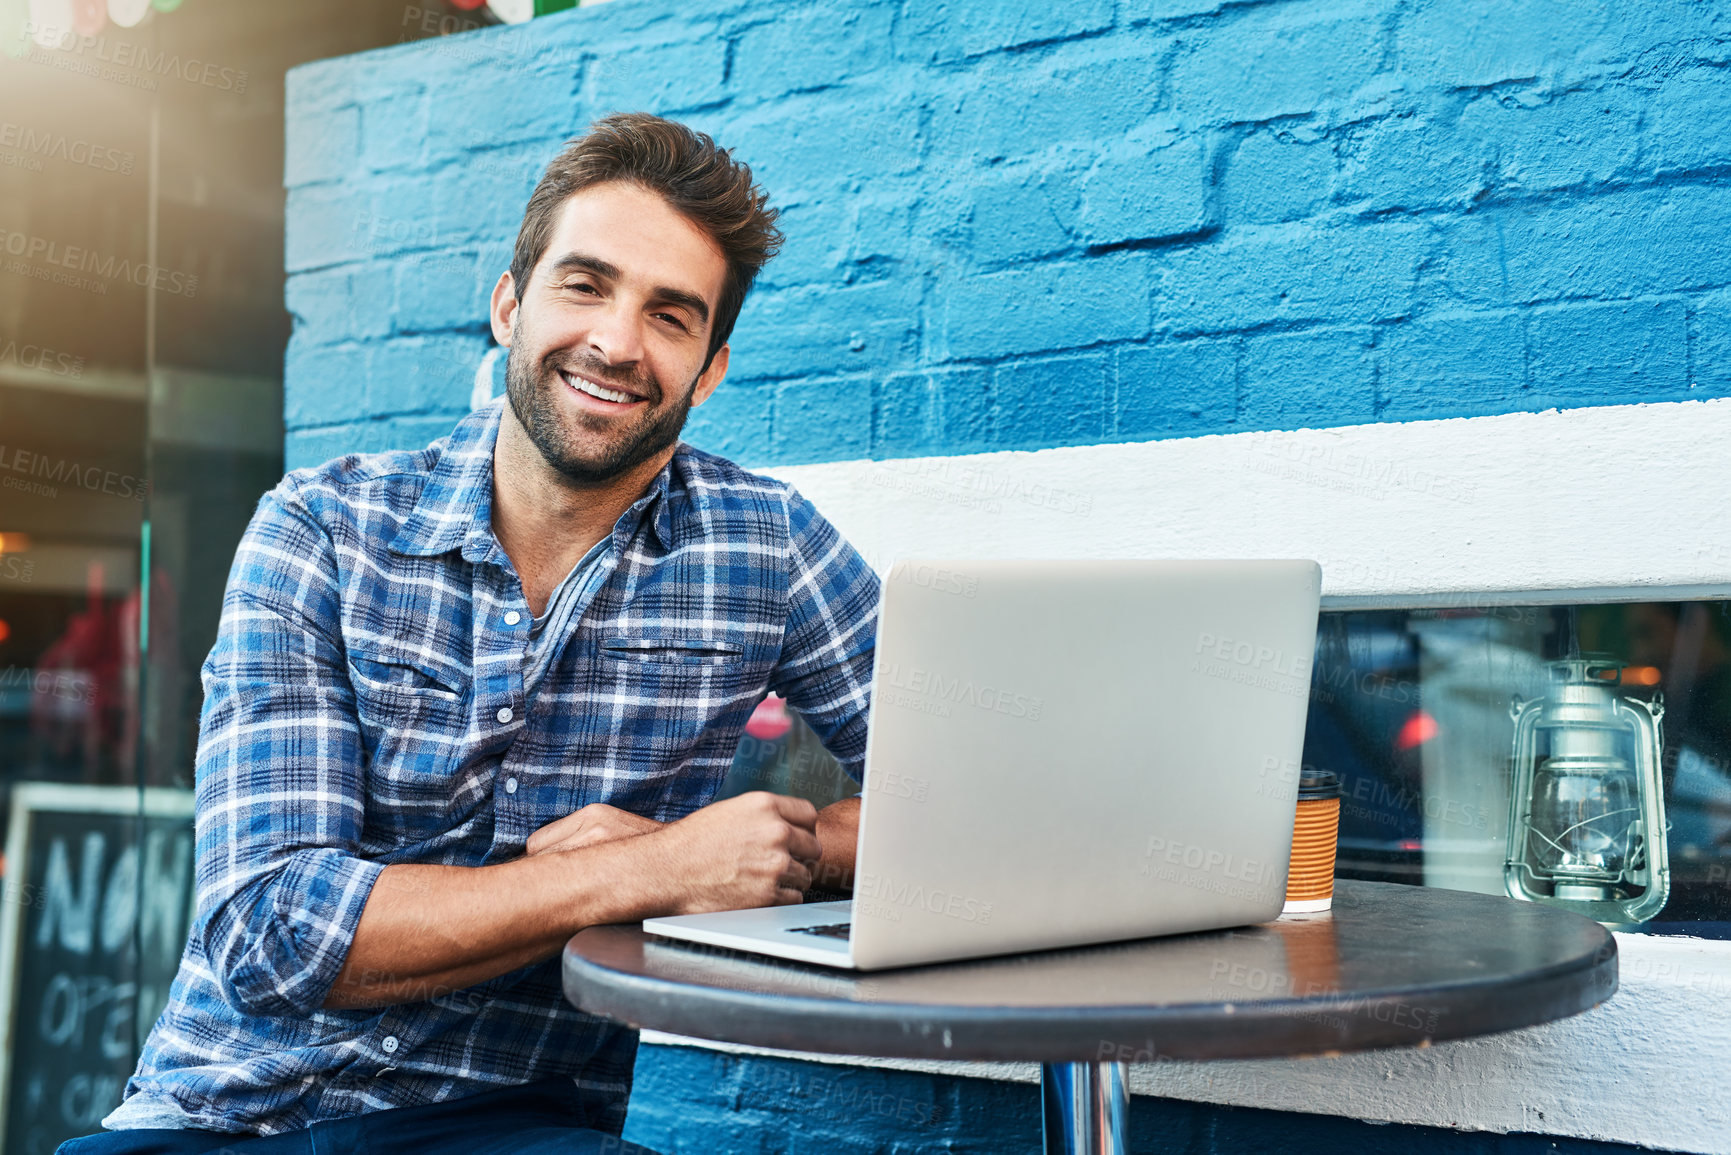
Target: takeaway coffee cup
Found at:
x=1310, y=877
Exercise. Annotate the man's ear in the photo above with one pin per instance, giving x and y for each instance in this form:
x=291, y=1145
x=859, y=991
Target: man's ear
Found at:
x=503, y=312
x=711, y=378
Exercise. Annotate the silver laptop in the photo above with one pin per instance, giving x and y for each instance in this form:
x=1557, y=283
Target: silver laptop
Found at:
x=1062, y=753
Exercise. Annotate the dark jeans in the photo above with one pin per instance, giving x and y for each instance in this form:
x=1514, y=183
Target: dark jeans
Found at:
x=543, y=1116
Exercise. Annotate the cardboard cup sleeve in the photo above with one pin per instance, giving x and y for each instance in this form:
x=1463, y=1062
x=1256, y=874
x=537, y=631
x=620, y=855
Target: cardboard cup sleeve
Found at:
x=1315, y=831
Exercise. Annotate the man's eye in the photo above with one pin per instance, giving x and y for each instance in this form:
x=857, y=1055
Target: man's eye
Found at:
x=671, y=318
x=582, y=285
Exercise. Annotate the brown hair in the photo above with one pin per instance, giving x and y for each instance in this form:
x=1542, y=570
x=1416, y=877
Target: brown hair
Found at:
x=686, y=168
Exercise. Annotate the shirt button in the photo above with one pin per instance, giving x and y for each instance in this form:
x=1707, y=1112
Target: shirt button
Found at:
x=513, y=618
x=510, y=786
x=389, y=1045
x=505, y=714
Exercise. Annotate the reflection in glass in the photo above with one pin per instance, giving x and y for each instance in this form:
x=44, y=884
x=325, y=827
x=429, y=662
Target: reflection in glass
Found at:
x=1411, y=708
x=140, y=420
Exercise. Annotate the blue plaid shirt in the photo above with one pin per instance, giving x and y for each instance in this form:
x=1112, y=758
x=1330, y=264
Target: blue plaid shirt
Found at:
x=364, y=705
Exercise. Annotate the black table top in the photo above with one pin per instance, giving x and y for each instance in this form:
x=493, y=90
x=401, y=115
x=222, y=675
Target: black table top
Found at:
x=1389, y=966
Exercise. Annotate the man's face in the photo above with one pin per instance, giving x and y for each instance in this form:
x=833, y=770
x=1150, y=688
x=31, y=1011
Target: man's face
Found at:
x=607, y=338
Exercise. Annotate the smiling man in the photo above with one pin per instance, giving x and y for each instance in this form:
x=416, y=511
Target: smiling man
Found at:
x=468, y=700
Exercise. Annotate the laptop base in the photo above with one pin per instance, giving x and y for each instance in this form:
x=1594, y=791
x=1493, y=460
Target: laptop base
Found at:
x=781, y=931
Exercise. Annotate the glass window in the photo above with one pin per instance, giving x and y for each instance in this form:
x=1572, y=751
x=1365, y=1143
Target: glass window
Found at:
x=1415, y=710
x=140, y=421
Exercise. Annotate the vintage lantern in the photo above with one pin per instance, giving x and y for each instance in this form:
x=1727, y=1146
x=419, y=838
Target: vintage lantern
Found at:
x=1587, y=804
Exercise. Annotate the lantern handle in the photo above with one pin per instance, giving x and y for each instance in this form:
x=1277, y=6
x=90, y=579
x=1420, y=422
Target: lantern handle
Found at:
x=1655, y=708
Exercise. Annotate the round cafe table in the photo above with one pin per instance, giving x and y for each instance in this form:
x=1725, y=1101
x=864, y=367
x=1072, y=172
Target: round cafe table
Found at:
x=1389, y=966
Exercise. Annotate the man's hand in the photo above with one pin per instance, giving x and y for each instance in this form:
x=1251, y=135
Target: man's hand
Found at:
x=838, y=831
x=754, y=850
x=596, y=822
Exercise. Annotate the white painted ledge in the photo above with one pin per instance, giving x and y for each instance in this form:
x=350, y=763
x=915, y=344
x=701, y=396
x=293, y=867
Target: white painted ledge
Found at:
x=1648, y=1067
x=1627, y=496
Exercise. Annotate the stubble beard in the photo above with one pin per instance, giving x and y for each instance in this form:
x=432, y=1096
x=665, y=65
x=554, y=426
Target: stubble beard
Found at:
x=531, y=399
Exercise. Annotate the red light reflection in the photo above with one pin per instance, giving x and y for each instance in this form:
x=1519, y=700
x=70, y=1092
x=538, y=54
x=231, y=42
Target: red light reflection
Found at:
x=1416, y=731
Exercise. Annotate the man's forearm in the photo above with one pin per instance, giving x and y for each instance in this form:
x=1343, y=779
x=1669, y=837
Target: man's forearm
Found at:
x=431, y=930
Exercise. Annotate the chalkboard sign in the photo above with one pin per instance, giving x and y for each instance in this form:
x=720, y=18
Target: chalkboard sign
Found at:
x=94, y=910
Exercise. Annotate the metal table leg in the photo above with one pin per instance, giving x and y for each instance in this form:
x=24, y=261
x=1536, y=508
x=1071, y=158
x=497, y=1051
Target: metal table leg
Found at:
x=1085, y=1108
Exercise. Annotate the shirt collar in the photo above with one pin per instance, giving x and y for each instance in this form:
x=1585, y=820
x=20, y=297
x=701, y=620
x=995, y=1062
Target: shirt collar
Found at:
x=455, y=509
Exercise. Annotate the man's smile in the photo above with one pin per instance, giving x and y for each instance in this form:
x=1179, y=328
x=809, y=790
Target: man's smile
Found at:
x=599, y=397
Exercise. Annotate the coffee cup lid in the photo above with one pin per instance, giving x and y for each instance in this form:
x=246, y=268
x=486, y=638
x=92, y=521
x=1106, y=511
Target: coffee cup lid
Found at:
x=1313, y=783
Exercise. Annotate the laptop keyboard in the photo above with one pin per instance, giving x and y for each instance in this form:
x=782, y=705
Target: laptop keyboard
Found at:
x=829, y=930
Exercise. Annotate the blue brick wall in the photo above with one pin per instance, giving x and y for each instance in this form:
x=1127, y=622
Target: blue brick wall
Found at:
x=1020, y=224
x=1017, y=224
x=695, y=1102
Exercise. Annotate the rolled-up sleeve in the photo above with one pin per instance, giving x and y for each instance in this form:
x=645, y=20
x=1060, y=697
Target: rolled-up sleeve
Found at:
x=280, y=774
x=825, y=667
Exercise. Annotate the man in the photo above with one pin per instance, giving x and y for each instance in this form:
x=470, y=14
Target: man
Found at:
x=468, y=700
